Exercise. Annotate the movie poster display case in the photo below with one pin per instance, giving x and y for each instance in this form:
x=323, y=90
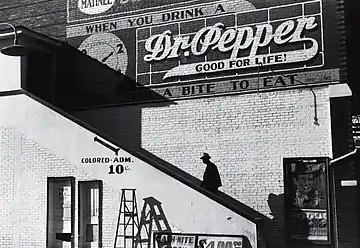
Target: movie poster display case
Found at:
x=307, y=200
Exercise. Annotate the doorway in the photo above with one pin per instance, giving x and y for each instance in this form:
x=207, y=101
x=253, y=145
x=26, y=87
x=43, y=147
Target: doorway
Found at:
x=90, y=214
x=60, y=212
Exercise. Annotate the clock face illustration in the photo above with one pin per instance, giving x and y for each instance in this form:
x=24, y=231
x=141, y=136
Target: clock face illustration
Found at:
x=108, y=49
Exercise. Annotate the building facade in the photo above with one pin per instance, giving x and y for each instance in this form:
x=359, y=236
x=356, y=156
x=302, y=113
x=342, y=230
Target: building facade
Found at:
x=259, y=85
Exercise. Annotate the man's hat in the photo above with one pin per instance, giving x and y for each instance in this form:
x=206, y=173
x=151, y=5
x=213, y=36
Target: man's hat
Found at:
x=304, y=168
x=205, y=155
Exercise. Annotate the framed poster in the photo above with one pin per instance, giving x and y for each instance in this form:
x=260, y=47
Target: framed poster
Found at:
x=307, y=201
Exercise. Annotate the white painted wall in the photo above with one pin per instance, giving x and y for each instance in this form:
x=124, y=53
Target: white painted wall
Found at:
x=186, y=210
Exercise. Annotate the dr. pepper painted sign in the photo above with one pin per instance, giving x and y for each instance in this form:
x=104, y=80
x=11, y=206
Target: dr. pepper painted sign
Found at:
x=222, y=42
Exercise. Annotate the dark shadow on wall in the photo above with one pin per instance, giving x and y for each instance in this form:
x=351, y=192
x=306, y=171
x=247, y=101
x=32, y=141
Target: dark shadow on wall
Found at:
x=275, y=227
x=278, y=229
x=86, y=88
x=121, y=123
x=104, y=98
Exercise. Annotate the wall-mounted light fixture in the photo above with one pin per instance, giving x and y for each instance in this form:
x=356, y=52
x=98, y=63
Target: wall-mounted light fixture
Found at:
x=14, y=49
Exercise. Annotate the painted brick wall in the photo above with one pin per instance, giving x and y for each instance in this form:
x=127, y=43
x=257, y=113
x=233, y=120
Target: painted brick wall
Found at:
x=42, y=149
x=7, y=159
x=246, y=135
x=44, y=16
x=37, y=164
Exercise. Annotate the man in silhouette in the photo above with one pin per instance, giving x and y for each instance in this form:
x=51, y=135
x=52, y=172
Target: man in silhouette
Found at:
x=211, y=179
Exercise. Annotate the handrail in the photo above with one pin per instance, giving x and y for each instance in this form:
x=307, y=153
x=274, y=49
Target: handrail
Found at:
x=343, y=157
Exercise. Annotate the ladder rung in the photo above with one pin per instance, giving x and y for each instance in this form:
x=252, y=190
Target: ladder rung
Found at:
x=125, y=236
x=128, y=209
x=143, y=240
x=130, y=213
x=158, y=217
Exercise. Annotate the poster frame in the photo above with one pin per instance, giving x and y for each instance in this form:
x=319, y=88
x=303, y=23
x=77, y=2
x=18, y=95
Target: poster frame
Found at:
x=288, y=183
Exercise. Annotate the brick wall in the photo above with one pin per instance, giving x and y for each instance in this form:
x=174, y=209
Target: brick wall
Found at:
x=44, y=16
x=246, y=135
x=7, y=159
x=37, y=164
x=41, y=149
x=40, y=163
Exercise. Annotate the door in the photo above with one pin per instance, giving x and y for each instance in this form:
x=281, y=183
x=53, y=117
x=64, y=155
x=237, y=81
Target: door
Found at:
x=90, y=206
x=60, y=221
